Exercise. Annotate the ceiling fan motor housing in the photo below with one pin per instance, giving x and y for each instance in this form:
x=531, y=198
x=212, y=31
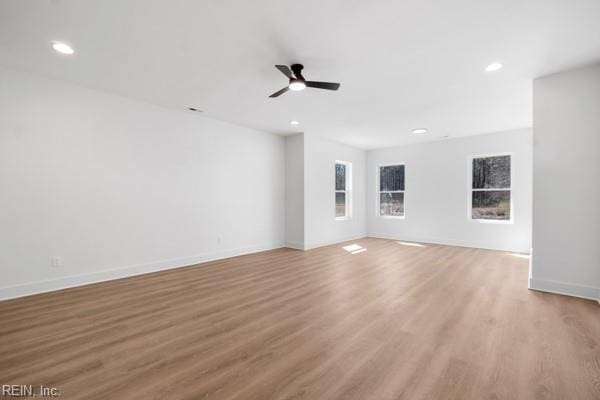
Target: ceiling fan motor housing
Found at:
x=297, y=70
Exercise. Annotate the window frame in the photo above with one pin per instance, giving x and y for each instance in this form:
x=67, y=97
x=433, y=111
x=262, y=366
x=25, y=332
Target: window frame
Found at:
x=378, y=191
x=347, y=191
x=511, y=189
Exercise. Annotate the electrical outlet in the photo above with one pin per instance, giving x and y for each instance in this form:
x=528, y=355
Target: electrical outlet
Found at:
x=56, y=261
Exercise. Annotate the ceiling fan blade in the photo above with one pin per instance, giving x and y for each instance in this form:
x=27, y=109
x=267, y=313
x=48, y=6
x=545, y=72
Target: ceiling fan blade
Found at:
x=284, y=70
x=323, y=85
x=280, y=92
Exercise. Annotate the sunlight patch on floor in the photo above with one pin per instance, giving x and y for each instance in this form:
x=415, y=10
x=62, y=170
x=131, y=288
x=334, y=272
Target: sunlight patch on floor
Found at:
x=354, y=248
x=526, y=256
x=411, y=244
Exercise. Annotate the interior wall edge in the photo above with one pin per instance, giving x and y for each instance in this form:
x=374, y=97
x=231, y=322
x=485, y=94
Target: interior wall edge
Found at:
x=294, y=245
x=567, y=289
x=329, y=243
x=65, y=282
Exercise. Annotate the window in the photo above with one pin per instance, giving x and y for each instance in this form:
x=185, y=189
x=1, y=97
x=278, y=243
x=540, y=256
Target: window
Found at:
x=490, y=188
x=391, y=191
x=343, y=190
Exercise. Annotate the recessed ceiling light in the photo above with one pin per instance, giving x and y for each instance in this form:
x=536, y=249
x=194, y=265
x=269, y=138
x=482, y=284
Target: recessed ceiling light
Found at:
x=495, y=66
x=294, y=123
x=419, y=131
x=62, y=48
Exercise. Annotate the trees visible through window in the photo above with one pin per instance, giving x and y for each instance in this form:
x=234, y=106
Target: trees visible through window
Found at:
x=343, y=192
x=491, y=188
x=391, y=191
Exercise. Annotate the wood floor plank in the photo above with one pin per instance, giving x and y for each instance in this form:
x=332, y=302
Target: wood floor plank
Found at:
x=392, y=322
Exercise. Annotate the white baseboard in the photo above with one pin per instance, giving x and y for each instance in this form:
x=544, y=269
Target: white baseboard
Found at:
x=294, y=245
x=569, y=289
x=328, y=243
x=27, y=289
x=447, y=242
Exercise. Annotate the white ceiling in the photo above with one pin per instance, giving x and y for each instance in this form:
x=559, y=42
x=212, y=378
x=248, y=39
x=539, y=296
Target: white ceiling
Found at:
x=402, y=64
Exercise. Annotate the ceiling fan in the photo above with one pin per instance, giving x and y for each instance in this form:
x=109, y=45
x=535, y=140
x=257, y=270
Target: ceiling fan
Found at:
x=297, y=81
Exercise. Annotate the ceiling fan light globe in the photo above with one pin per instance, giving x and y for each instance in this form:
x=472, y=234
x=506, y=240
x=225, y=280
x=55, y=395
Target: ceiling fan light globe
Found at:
x=297, y=85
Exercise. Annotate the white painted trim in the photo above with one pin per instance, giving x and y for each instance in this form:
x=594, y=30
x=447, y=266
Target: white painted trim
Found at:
x=27, y=289
x=568, y=289
x=294, y=245
x=445, y=242
x=328, y=243
x=343, y=219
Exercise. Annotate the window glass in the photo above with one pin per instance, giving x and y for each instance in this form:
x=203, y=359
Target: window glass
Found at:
x=391, y=191
x=391, y=204
x=491, y=172
x=340, y=204
x=391, y=178
x=491, y=190
x=343, y=190
x=340, y=177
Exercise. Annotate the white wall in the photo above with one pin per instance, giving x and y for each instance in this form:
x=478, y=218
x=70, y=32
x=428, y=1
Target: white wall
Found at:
x=321, y=227
x=294, y=191
x=117, y=187
x=566, y=183
x=437, y=192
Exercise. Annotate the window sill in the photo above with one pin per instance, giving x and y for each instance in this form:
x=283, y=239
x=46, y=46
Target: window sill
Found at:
x=493, y=221
x=392, y=216
x=343, y=218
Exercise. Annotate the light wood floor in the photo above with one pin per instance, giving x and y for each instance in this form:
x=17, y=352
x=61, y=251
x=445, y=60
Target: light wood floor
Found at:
x=392, y=322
